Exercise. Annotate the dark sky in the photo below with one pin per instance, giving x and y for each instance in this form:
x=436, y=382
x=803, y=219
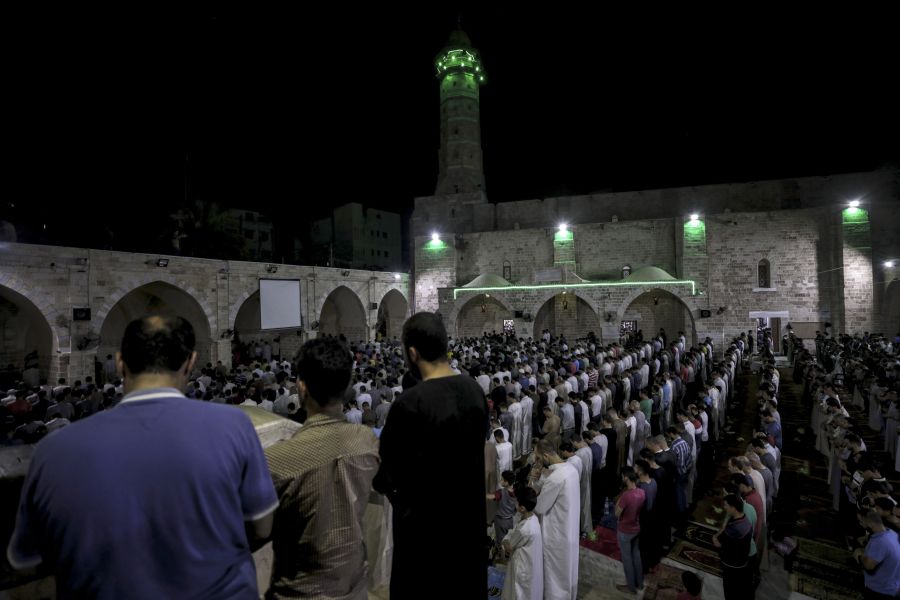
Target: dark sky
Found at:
x=297, y=112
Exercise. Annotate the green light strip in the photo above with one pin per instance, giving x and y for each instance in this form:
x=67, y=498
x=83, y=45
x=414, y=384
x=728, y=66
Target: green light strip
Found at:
x=566, y=286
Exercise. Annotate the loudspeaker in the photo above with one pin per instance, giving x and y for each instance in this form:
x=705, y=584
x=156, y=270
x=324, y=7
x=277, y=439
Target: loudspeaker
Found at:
x=519, y=314
x=81, y=314
x=373, y=306
x=705, y=314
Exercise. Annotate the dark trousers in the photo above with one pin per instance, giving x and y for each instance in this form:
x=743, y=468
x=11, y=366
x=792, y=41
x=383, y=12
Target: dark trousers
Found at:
x=737, y=583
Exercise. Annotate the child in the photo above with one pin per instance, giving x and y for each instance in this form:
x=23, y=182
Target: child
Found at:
x=693, y=586
x=506, y=508
x=525, y=572
x=504, y=453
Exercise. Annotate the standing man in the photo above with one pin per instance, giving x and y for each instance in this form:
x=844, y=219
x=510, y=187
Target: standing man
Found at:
x=734, y=551
x=323, y=476
x=558, y=509
x=450, y=411
x=105, y=503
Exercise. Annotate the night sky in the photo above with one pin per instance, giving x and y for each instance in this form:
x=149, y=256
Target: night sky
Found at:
x=295, y=113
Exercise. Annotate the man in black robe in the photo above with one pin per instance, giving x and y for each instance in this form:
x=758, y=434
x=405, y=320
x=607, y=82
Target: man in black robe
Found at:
x=436, y=427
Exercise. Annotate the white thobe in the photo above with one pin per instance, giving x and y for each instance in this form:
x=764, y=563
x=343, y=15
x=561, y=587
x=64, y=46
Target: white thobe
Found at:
x=515, y=410
x=558, y=507
x=504, y=459
x=587, y=460
x=525, y=571
x=527, y=406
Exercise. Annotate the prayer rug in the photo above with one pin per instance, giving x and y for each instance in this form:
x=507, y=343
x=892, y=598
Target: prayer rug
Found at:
x=821, y=589
x=665, y=584
x=696, y=557
x=606, y=543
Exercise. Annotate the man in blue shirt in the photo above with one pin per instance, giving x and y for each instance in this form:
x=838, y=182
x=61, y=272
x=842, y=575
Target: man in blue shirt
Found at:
x=773, y=429
x=880, y=560
x=159, y=497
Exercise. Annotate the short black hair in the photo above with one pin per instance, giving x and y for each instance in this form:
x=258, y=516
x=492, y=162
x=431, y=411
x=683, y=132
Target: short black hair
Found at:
x=324, y=366
x=692, y=583
x=425, y=332
x=735, y=502
x=157, y=344
x=509, y=477
x=526, y=497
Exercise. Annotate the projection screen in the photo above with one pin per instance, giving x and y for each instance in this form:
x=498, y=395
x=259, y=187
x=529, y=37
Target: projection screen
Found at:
x=279, y=303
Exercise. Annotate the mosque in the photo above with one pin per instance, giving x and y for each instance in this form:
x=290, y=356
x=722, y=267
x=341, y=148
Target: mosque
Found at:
x=803, y=254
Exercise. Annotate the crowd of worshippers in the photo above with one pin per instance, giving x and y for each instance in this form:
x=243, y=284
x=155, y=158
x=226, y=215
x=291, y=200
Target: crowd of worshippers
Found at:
x=27, y=414
x=861, y=372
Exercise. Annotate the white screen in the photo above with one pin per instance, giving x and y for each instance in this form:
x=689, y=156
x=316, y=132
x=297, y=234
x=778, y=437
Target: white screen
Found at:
x=279, y=303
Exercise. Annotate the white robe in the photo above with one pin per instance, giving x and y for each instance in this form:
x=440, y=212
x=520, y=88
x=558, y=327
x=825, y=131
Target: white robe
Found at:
x=558, y=507
x=587, y=460
x=525, y=572
x=527, y=406
x=504, y=459
x=515, y=411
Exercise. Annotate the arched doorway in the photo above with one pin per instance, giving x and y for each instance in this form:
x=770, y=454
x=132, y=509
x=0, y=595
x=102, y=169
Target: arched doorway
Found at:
x=248, y=320
x=481, y=314
x=26, y=340
x=892, y=310
x=154, y=298
x=343, y=313
x=566, y=314
x=392, y=313
x=657, y=309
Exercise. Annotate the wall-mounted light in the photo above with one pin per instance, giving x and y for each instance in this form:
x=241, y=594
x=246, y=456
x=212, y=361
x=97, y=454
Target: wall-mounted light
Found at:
x=271, y=268
x=345, y=273
x=854, y=204
x=162, y=262
x=889, y=264
x=563, y=227
x=396, y=276
x=694, y=217
x=435, y=237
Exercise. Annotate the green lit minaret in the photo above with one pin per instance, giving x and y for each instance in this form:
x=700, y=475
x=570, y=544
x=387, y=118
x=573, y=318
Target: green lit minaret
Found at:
x=461, y=74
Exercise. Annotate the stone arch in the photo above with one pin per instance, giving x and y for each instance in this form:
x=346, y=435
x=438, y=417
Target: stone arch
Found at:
x=135, y=282
x=155, y=297
x=567, y=312
x=343, y=313
x=657, y=308
x=25, y=331
x=480, y=313
x=247, y=317
x=392, y=313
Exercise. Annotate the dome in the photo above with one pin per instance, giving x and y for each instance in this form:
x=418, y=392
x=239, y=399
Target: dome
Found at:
x=649, y=274
x=488, y=280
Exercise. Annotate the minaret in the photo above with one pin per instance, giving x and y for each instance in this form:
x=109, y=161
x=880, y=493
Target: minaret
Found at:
x=461, y=74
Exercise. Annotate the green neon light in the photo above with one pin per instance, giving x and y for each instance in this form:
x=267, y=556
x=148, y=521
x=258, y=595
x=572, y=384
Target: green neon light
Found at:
x=564, y=236
x=569, y=286
x=855, y=215
x=695, y=231
x=435, y=245
x=460, y=60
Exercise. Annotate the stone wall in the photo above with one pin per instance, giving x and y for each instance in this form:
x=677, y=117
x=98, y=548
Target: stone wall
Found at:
x=54, y=280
